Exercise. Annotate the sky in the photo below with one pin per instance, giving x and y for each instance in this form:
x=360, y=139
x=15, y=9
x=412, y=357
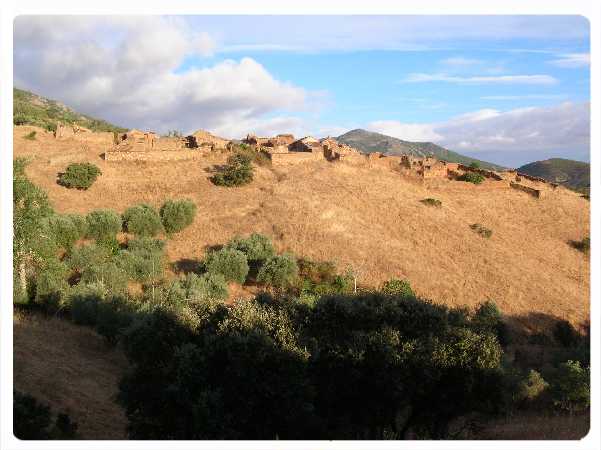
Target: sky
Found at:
x=506, y=89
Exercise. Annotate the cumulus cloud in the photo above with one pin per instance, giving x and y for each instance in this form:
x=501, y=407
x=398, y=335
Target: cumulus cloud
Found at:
x=501, y=79
x=572, y=60
x=564, y=126
x=132, y=71
x=406, y=131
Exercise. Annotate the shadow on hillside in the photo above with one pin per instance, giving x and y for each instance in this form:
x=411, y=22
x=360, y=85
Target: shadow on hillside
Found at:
x=533, y=342
x=186, y=266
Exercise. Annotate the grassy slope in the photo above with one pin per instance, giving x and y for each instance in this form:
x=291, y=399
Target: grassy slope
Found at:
x=32, y=109
x=574, y=174
x=369, y=142
x=371, y=219
x=71, y=369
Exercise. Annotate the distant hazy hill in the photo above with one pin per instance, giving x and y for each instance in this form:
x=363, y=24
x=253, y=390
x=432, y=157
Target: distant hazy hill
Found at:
x=32, y=109
x=573, y=174
x=369, y=142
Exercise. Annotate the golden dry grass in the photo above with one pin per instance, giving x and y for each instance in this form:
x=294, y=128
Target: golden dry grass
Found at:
x=369, y=219
x=71, y=369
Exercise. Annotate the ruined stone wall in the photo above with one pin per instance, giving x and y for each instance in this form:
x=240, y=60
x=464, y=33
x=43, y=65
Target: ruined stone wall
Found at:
x=155, y=155
x=483, y=172
x=294, y=158
x=528, y=190
x=169, y=144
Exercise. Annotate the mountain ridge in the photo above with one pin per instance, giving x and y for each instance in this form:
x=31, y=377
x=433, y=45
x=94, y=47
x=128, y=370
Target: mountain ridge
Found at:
x=571, y=173
x=370, y=142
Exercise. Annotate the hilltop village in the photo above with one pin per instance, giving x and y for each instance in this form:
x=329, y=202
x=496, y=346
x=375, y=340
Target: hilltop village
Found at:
x=285, y=149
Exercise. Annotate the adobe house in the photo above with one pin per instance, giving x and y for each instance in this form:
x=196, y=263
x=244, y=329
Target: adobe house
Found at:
x=306, y=144
x=202, y=138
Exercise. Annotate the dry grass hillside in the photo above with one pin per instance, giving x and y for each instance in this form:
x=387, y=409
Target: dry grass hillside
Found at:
x=71, y=369
x=370, y=219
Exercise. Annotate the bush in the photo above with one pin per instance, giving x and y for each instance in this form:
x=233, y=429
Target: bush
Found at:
x=51, y=285
x=67, y=229
x=471, y=177
x=177, y=215
x=432, y=202
x=103, y=224
x=208, y=286
x=30, y=136
x=487, y=318
x=230, y=263
x=113, y=277
x=570, y=387
x=238, y=172
x=475, y=165
x=87, y=256
x=481, y=230
x=144, y=259
x=84, y=308
x=397, y=287
x=79, y=176
x=142, y=220
x=584, y=245
x=113, y=316
x=565, y=333
x=531, y=387
x=257, y=247
x=278, y=271
x=32, y=420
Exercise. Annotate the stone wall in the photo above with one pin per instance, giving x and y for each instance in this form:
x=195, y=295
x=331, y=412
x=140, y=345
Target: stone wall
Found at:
x=483, y=172
x=278, y=159
x=528, y=190
x=160, y=155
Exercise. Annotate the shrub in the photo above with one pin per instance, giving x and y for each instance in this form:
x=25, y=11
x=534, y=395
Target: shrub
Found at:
x=177, y=215
x=30, y=136
x=51, y=285
x=32, y=420
x=109, y=274
x=397, y=287
x=67, y=229
x=531, y=387
x=481, y=230
x=475, y=165
x=570, y=387
x=142, y=220
x=257, y=247
x=79, y=176
x=238, y=172
x=144, y=259
x=84, y=308
x=432, y=202
x=565, y=333
x=230, y=263
x=208, y=286
x=584, y=245
x=103, y=224
x=86, y=256
x=278, y=271
x=112, y=317
x=487, y=318
x=260, y=158
x=471, y=177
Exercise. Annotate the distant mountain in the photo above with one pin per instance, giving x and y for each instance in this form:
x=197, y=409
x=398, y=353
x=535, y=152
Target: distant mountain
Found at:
x=369, y=142
x=32, y=109
x=573, y=174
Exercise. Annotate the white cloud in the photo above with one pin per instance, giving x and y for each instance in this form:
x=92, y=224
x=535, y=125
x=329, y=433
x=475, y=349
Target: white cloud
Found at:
x=131, y=71
x=572, y=60
x=564, y=126
x=501, y=79
x=406, y=131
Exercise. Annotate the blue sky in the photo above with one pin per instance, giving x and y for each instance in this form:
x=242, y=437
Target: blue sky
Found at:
x=509, y=89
